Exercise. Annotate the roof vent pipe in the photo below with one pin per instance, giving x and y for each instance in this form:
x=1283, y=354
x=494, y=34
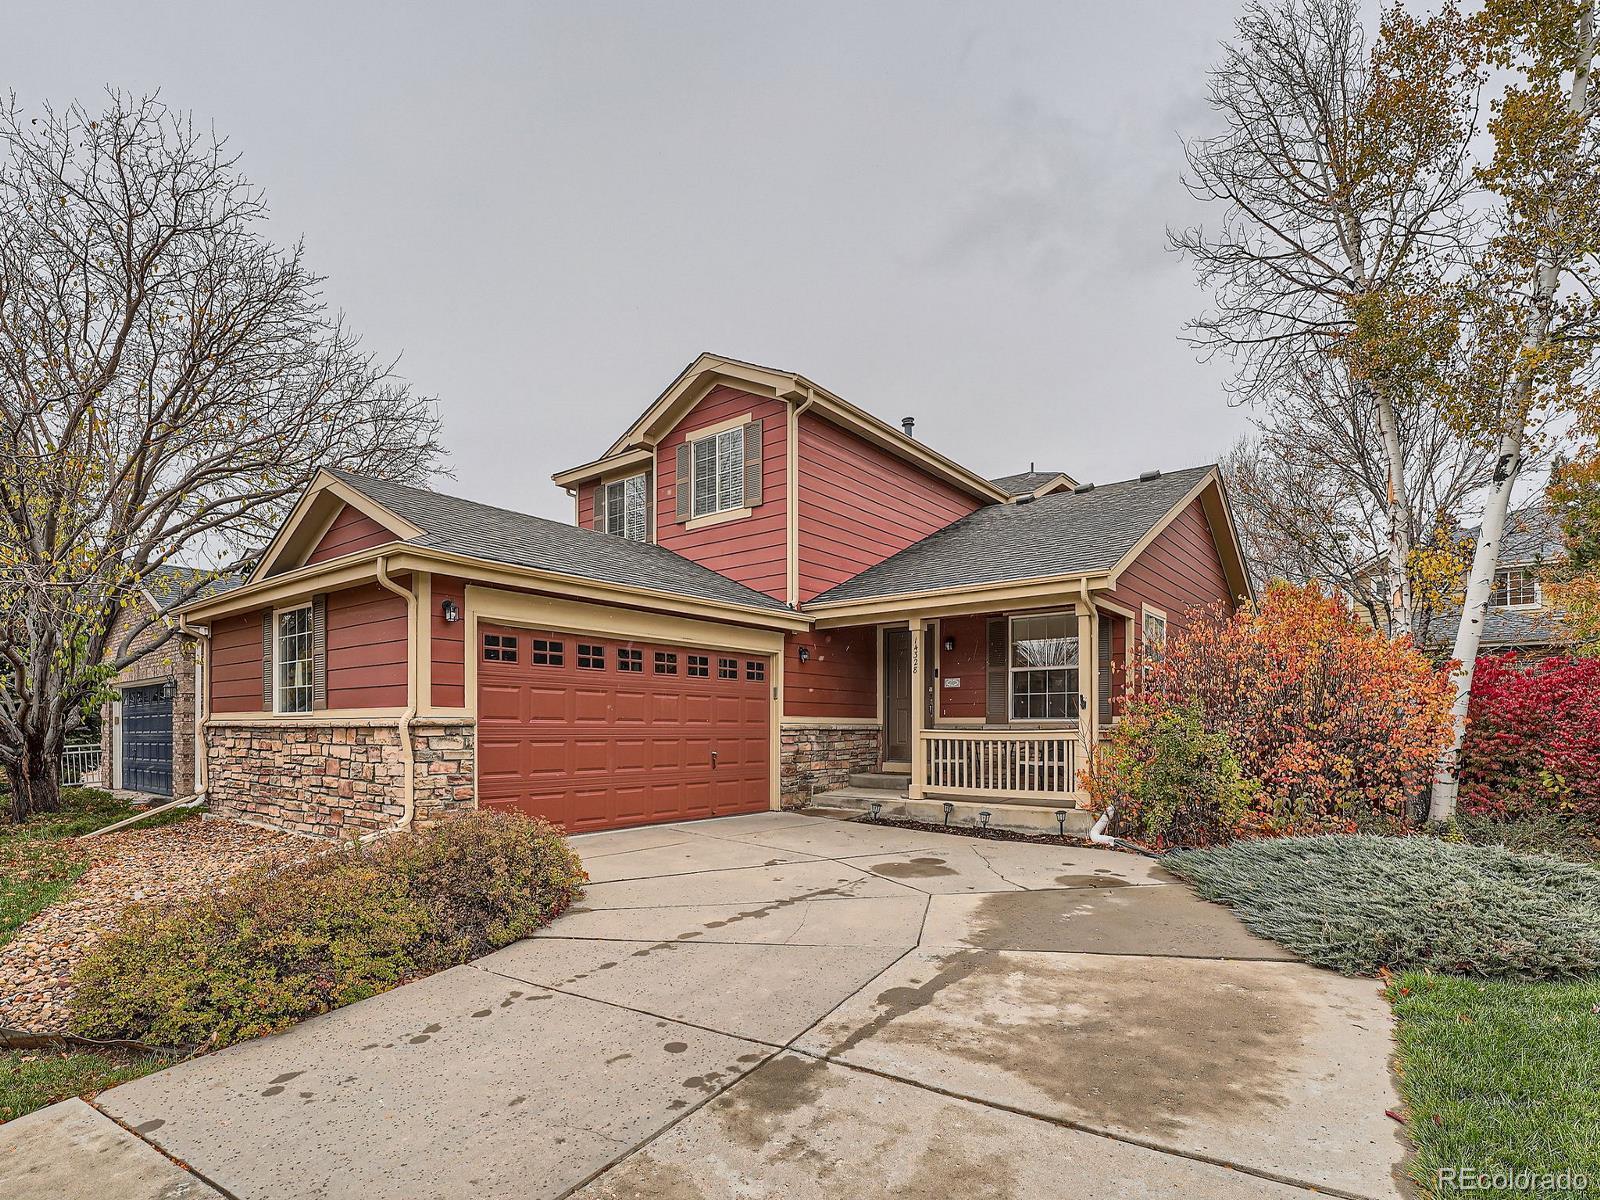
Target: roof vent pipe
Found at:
x=1147, y=476
x=908, y=424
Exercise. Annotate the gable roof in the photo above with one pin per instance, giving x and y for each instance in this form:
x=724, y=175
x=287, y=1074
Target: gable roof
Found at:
x=449, y=523
x=709, y=370
x=168, y=586
x=1084, y=532
x=1029, y=483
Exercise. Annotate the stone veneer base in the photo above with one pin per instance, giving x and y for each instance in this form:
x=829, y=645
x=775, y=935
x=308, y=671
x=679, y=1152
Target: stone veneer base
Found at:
x=337, y=777
x=818, y=757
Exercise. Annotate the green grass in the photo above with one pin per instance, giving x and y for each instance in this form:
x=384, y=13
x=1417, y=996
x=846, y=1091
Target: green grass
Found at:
x=1360, y=904
x=35, y=1078
x=1500, y=1076
x=83, y=810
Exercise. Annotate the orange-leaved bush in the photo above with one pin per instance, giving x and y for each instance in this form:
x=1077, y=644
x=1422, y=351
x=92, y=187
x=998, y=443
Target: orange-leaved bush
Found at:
x=1337, y=725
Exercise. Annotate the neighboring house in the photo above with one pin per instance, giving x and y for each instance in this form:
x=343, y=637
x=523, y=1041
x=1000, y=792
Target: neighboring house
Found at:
x=1518, y=617
x=148, y=735
x=766, y=590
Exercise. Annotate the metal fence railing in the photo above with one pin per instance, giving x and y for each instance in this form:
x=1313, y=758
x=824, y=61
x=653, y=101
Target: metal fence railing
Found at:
x=79, y=761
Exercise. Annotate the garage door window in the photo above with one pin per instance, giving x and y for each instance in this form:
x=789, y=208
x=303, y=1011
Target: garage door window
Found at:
x=499, y=647
x=547, y=653
x=666, y=664
x=755, y=671
x=591, y=658
x=628, y=660
x=699, y=666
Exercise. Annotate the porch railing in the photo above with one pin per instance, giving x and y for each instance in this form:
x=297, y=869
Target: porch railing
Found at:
x=1031, y=764
x=78, y=761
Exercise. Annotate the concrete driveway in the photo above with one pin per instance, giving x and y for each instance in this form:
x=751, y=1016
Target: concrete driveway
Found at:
x=787, y=1005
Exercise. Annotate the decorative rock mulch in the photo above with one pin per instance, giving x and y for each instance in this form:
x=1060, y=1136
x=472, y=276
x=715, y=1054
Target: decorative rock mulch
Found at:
x=149, y=866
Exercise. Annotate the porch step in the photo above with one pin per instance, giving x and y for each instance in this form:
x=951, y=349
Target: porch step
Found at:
x=881, y=781
x=1024, y=818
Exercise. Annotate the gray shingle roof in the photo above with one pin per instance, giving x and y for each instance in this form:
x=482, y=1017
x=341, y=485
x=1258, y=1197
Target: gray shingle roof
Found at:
x=1025, y=482
x=169, y=585
x=1504, y=627
x=500, y=535
x=1065, y=533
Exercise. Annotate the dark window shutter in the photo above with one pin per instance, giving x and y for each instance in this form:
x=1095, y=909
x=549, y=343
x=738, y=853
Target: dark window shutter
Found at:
x=752, y=464
x=319, y=651
x=598, y=517
x=685, y=487
x=1102, y=668
x=266, y=661
x=649, y=506
x=999, y=693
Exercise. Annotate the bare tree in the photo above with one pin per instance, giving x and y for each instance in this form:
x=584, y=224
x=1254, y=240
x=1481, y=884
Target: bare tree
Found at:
x=1533, y=304
x=1341, y=176
x=171, y=381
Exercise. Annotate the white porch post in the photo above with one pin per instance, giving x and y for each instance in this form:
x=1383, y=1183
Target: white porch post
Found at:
x=1088, y=683
x=919, y=701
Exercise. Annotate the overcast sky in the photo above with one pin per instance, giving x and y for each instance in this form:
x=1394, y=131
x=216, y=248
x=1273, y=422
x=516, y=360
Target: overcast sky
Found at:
x=951, y=211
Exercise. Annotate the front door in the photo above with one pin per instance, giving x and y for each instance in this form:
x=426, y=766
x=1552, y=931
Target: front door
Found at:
x=897, y=691
x=147, y=739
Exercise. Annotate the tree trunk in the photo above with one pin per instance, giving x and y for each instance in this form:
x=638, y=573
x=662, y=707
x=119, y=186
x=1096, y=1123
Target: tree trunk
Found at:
x=1399, y=526
x=35, y=781
x=1469, y=634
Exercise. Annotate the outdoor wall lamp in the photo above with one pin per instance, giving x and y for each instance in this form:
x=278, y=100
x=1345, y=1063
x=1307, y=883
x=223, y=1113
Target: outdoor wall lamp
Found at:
x=949, y=643
x=450, y=612
x=805, y=654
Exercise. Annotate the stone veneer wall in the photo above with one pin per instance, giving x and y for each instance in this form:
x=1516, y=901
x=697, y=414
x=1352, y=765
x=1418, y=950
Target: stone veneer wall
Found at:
x=338, y=777
x=820, y=757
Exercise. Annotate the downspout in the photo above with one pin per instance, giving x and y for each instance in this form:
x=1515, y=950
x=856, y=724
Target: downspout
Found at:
x=408, y=754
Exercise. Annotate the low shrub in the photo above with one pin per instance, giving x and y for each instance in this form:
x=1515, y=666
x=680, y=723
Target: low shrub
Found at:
x=1533, y=738
x=282, y=944
x=1337, y=724
x=1360, y=904
x=1171, y=782
x=1546, y=831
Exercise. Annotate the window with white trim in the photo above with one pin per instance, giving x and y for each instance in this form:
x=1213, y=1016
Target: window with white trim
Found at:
x=293, y=665
x=625, y=503
x=1154, y=636
x=1514, y=587
x=1044, y=667
x=718, y=464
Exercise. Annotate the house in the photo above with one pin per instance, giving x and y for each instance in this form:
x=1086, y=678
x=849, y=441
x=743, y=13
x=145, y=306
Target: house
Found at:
x=149, y=736
x=765, y=590
x=1518, y=617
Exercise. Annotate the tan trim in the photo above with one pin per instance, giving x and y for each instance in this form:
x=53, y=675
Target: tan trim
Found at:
x=718, y=518
x=829, y=722
x=1047, y=592
x=1112, y=606
x=712, y=370
x=421, y=637
x=323, y=716
x=775, y=730
x=1219, y=512
x=793, y=414
x=292, y=538
x=701, y=432
x=919, y=704
x=361, y=568
x=584, y=472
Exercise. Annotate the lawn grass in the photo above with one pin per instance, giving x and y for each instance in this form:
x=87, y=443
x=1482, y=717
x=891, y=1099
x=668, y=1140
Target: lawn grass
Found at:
x=32, y=1079
x=1500, y=1077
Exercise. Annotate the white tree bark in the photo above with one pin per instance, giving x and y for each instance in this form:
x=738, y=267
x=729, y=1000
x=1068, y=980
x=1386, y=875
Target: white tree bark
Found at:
x=1399, y=524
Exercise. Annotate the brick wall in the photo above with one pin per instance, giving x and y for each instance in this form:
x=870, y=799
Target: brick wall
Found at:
x=336, y=778
x=172, y=660
x=818, y=758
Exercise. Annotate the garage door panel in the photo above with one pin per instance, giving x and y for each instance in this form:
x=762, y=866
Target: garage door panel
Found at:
x=599, y=749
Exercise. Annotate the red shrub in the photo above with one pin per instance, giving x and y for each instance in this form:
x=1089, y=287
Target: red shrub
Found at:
x=1337, y=723
x=1533, y=737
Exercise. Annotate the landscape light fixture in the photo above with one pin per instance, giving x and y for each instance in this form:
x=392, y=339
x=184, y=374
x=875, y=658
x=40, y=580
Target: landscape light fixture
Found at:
x=983, y=817
x=948, y=809
x=1061, y=820
x=877, y=807
x=450, y=612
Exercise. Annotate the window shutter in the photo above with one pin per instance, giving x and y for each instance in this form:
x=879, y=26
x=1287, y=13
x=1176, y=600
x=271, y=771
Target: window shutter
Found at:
x=319, y=651
x=649, y=506
x=598, y=521
x=685, y=487
x=752, y=464
x=999, y=705
x=266, y=661
x=1102, y=672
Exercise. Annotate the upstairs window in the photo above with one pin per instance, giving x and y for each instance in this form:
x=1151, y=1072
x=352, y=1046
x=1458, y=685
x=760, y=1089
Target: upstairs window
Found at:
x=294, y=659
x=1514, y=587
x=1044, y=667
x=719, y=472
x=623, y=508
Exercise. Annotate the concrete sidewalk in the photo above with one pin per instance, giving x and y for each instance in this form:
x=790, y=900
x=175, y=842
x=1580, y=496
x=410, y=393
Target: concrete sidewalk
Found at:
x=783, y=1005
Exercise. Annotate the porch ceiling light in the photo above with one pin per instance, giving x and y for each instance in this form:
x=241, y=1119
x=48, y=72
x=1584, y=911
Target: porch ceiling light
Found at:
x=450, y=612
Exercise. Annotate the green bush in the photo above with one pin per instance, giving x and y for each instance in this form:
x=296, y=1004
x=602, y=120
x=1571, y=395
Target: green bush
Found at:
x=279, y=945
x=1362, y=903
x=1172, y=783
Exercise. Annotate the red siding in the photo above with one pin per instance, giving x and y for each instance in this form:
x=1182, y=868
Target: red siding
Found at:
x=1177, y=572
x=352, y=530
x=860, y=504
x=841, y=680
x=236, y=664
x=448, y=645
x=753, y=550
x=366, y=648
x=968, y=662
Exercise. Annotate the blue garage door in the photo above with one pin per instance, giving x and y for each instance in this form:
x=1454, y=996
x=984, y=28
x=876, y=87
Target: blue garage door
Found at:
x=147, y=739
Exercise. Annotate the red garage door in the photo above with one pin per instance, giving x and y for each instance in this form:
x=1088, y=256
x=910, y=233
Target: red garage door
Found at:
x=595, y=733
